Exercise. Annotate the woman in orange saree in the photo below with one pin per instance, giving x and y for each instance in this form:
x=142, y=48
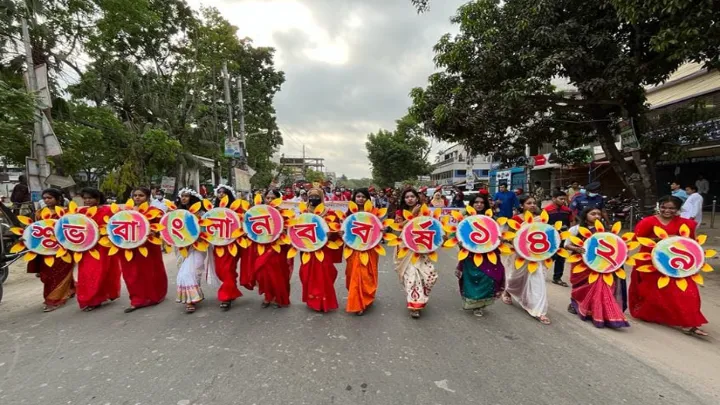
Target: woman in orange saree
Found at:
x=361, y=280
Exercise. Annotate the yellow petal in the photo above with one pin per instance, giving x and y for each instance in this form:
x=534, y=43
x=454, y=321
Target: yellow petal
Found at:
x=368, y=206
x=320, y=255
x=648, y=268
x=642, y=256
x=478, y=259
x=706, y=268
x=195, y=207
x=67, y=258
x=617, y=226
x=433, y=256
x=17, y=248
x=532, y=266
x=224, y=201
x=548, y=262
x=698, y=278
x=105, y=242
x=414, y=259
x=49, y=260
x=77, y=256
x=544, y=217
x=710, y=253
x=684, y=231
x=305, y=257
x=380, y=250
x=143, y=251
x=220, y=251
x=128, y=255
x=113, y=250
x=574, y=259
x=347, y=252
x=183, y=252
x=584, y=232
x=701, y=239
x=450, y=243
x=558, y=225
x=462, y=255
x=593, y=277
x=502, y=221
x=576, y=241
x=95, y=254
x=261, y=249
x=628, y=236
x=276, y=247
x=505, y=249
x=663, y=281
x=235, y=204
x=24, y=220
x=492, y=257
x=29, y=256
x=519, y=262
x=564, y=253
x=579, y=268
x=633, y=245
x=61, y=252
x=276, y=202
x=16, y=230
x=319, y=209
x=257, y=199
x=621, y=274
x=508, y=235
x=402, y=252
x=608, y=278
x=292, y=252
x=647, y=242
x=470, y=210
x=681, y=283
x=207, y=205
x=660, y=233
x=364, y=258
x=599, y=227
x=232, y=248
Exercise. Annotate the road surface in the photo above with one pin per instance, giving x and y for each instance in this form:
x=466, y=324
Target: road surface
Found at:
x=250, y=355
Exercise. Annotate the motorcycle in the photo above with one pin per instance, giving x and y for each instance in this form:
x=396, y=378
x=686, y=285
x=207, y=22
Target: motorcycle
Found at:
x=624, y=210
x=7, y=239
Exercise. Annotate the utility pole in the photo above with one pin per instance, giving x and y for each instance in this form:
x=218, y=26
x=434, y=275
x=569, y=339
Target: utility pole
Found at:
x=231, y=133
x=216, y=138
x=241, y=121
x=304, y=168
x=38, y=152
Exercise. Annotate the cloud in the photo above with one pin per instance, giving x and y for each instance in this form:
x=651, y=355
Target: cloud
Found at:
x=349, y=67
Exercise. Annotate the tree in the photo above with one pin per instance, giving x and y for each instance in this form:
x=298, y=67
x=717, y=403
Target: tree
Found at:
x=495, y=93
x=314, y=176
x=17, y=111
x=398, y=155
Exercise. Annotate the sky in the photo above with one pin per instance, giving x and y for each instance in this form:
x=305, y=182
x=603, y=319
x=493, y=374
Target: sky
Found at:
x=349, y=67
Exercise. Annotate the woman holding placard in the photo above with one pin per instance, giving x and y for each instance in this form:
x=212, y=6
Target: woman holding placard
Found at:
x=525, y=275
x=272, y=268
x=416, y=271
x=145, y=275
x=192, y=265
x=480, y=284
x=224, y=265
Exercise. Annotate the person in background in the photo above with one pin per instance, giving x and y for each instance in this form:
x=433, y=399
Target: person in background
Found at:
x=438, y=201
x=423, y=195
x=381, y=200
x=289, y=195
x=539, y=192
x=677, y=191
x=346, y=193
x=458, y=200
x=591, y=199
x=506, y=201
x=203, y=191
x=159, y=201
x=572, y=190
x=519, y=191
x=703, y=186
x=559, y=211
x=339, y=195
x=692, y=207
x=373, y=195
x=20, y=194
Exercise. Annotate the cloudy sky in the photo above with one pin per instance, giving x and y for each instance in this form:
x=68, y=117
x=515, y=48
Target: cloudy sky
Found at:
x=349, y=67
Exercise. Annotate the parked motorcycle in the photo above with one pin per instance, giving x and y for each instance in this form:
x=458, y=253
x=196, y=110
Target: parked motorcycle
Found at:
x=624, y=210
x=7, y=240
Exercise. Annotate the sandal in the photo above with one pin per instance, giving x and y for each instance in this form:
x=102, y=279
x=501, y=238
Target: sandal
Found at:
x=129, y=309
x=50, y=308
x=560, y=283
x=543, y=319
x=265, y=304
x=89, y=309
x=696, y=332
x=225, y=306
x=478, y=312
x=506, y=298
x=415, y=314
x=189, y=308
x=361, y=313
x=571, y=309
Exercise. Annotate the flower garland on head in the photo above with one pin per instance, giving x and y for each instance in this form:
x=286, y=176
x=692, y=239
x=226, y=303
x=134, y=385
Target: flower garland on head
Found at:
x=190, y=191
x=227, y=188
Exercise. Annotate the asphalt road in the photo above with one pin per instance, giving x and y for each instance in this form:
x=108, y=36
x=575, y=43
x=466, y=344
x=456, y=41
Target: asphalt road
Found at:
x=250, y=355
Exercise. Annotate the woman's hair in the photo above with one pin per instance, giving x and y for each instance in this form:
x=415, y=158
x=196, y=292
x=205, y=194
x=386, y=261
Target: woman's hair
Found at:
x=56, y=194
x=362, y=191
x=523, y=198
x=671, y=199
x=193, y=200
x=484, y=198
x=403, y=205
x=275, y=193
x=144, y=190
x=582, y=220
x=93, y=193
x=229, y=193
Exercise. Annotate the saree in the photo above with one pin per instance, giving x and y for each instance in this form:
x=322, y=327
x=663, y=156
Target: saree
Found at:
x=318, y=283
x=361, y=281
x=248, y=267
x=272, y=272
x=667, y=306
x=98, y=280
x=145, y=276
x=417, y=279
x=188, y=277
x=57, y=279
x=480, y=286
x=225, y=269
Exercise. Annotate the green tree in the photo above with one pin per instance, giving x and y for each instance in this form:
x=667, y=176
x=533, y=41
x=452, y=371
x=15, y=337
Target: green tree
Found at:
x=314, y=176
x=398, y=155
x=496, y=93
x=17, y=111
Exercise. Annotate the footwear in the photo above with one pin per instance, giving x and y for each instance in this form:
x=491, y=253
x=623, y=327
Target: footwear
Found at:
x=415, y=314
x=189, y=308
x=506, y=298
x=478, y=312
x=543, y=319
x=560, y=283
x=360, y=313
x=130, y=309
x=696, y=332
x=572, y=310
x=225, y=306
x=89, y=309
x=265, y=304
x=50, y=308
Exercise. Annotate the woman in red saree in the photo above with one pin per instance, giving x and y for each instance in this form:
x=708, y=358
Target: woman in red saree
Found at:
x=361, y=280
x=145, y=276
x=225, y=266
x=98, y=280
x=670, y=305
x=272, y=270
x=604, y=305
x=318, y=277
x=57, y=279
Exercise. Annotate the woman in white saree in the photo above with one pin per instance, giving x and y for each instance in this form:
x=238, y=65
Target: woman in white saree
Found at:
x=191, y=268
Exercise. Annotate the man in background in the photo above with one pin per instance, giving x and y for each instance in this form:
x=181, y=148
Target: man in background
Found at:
x=559, y=211
x=505, y=201
x=692, y=208
x=677, y=191
x=539, y=193
x=20, y=194
x=592, y=198
x=703, y=186
x=159, y=201
x=572, y=190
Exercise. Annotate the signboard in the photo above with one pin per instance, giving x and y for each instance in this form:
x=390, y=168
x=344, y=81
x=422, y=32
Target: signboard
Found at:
x=628, y=140
x=504, y=176
x=423, y=178
x=233, y=149
x=167, y=184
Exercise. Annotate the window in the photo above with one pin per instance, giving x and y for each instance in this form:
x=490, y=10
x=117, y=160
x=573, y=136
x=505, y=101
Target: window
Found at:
x=460, y=173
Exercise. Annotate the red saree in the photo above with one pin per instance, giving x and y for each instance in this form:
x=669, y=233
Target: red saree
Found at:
x=273, y=271
x=145, y=277
x=318, y=282
x=98, y=280
x=226, y=270
x=667, y=306
x=57, y=279
x=361, y=281
x=248, y=266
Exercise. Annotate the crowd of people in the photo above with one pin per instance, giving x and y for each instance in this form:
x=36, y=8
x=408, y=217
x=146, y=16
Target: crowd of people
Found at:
x=269, y=271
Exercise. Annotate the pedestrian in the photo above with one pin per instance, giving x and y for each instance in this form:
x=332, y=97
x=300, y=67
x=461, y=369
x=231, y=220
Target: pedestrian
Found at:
x=318, y=277
x=528, y=289
x=590, y=199
x=58, y=284
x=480, y=285
x=692, y=208
x=703, y=186
x=144, y=275
x=189, y=291
x=539, y=192
x=573, y=189
x=20, y=194
x=225, y=266
x=273, y=269
x=98, y=280
x=458, y=200
x=558, y=211
x=669, y=306
x=159, y=201
x=437, y=201
x=505, y=201
x=677, y=191
x=361, y=280
x=382, y=200
x=339, y=195
x=604, y=305
x=417, y=278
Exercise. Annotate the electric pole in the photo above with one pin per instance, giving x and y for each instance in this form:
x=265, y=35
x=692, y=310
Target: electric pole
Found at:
x=231, y=132
x=241, y=122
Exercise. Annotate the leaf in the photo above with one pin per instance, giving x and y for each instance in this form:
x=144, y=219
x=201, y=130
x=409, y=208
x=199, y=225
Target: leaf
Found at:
x=478, y=259
x=143, y=251
x=593, y=277
x=663, y=281
x=49, y=260
x=608, y=278
x=462, y=255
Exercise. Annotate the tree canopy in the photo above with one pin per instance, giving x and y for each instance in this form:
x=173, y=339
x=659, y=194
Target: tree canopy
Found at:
x=398, y=155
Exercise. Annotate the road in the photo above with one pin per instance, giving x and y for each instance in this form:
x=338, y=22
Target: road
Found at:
x=250, y=355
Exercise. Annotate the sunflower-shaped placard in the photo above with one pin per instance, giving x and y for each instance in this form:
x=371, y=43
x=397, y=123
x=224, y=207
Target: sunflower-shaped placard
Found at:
x=605, y=252
x=39, y=239
x=363, y=230
x=182, y=229
x=476, y=234
x=128, y=229
x=264, y=224
x=222, y=226
x=676, y=257
x=535, y=241
x=308, y=233
x=421, y=235
x=77, y=232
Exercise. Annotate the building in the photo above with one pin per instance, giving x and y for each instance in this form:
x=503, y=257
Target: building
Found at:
x=453, y=168
x=298, y=165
